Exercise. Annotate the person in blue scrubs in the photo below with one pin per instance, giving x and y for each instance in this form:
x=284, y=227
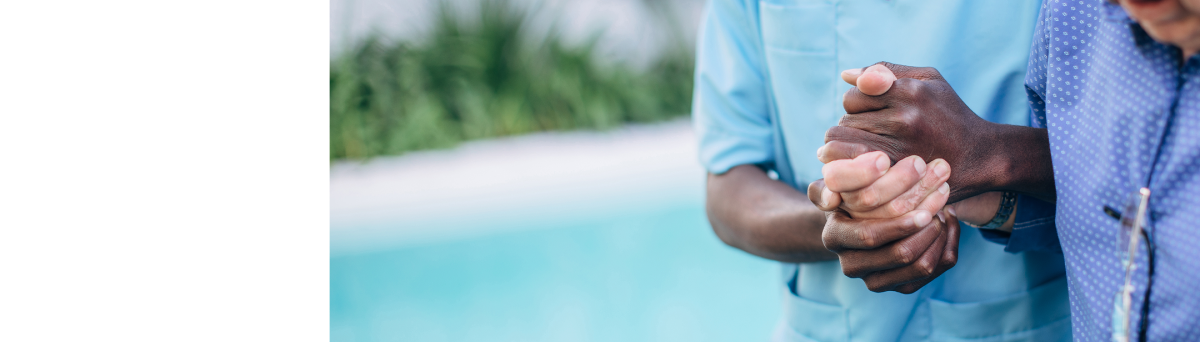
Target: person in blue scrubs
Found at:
x=767, y=88
x=1115, y=95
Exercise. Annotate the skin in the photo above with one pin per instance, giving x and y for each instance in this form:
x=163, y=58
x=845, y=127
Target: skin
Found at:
x=976, y=210
x=925, y=118
x=884, y=233
x=765, y=217
x=920, y=114
x=896, y=243
x=878, y=211
x=874, y=81
x=883, y=229
x=1174, y=22
x=923, y=114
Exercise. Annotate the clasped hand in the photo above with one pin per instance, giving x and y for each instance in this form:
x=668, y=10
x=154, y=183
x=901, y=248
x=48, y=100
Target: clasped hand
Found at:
x=889, y=224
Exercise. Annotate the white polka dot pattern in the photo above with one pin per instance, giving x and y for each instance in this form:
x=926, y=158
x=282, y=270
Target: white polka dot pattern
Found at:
x=1122, y=114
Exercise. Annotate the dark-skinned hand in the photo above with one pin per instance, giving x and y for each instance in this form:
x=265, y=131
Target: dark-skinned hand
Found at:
x=917, y=114
x=880, y=220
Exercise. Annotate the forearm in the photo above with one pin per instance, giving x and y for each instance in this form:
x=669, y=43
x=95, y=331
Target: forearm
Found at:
x=1011, y=158
x=765, y=217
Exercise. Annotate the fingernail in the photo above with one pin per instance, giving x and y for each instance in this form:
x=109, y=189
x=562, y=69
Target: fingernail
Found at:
x=820, y=151
x=941, y=168
x=919, y=164
x=881, y=163
x=921, y=218
x=952, y=212
x=852, y=72
x=944, y=189
x=941, y=217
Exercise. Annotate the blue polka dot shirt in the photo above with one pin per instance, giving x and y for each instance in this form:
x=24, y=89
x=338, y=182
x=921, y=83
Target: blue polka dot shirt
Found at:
x=1123, y=112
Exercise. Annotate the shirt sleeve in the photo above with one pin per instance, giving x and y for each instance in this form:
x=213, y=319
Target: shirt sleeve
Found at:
x=730, y=107
x=1033, y=228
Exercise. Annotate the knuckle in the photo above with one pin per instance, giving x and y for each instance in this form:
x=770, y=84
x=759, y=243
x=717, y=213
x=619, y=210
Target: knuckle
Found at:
x=912, y=202
x=929, y=184
x=908, y=118
x=831, y=183
x=858, y=149
x=827, y=237
x=866, y=237
x=893, y=209
x=868, y=198
x=925, y=268
x=905, y=255
x=950, y=261
x=908, y=87
x=902, y=205
x=933, y=73
x=832, y=238
x=920, y=88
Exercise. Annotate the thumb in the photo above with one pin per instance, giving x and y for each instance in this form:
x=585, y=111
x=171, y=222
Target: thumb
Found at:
x=876, y=80
x=851, y=75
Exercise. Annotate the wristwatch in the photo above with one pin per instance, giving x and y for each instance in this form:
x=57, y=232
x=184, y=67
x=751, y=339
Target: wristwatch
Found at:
x=1008, y=201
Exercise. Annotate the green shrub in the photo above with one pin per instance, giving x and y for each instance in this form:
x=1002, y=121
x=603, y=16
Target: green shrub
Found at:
x=483, y=77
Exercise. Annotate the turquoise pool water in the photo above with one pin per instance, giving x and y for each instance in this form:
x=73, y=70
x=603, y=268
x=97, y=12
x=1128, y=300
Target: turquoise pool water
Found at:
x=653, y=274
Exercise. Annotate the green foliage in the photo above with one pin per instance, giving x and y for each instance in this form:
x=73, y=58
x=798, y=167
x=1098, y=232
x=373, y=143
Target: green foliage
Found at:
x=483, y=77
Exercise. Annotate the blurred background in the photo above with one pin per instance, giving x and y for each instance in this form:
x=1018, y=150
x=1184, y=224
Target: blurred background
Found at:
x=525, y=170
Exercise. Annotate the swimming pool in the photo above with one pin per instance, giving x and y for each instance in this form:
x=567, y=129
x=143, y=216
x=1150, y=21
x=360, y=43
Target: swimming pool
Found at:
x=617, y=257
x=656, y=277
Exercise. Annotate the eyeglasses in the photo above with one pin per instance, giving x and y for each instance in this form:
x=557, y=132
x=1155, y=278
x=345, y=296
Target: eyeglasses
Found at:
x=1133, y=218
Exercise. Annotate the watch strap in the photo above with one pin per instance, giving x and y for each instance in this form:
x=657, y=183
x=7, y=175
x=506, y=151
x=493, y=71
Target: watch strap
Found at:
x=1008, y=201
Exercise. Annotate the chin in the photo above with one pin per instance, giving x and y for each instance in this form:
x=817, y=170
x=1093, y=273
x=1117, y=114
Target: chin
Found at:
x=1184, y=35
x=1169, y=22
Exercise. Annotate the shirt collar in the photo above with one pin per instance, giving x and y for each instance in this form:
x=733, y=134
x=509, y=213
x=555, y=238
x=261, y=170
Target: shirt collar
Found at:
x=1114, y=12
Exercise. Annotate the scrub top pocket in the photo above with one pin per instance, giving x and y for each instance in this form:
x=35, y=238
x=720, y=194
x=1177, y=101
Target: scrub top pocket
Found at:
x=1040, y=314
x=798, y=25
x=800, y=46
x=808, y=320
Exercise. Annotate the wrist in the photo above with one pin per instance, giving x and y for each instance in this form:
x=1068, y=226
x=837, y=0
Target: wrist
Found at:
x=1019, y=160
x=1003, y=212
x=978, y=210
x=1012, y=219
x=977, y=172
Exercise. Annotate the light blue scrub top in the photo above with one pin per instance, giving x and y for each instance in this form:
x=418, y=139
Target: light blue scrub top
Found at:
x=767, y=88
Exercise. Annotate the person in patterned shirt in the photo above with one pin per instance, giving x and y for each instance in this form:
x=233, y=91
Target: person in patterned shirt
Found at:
x=1115, y=93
